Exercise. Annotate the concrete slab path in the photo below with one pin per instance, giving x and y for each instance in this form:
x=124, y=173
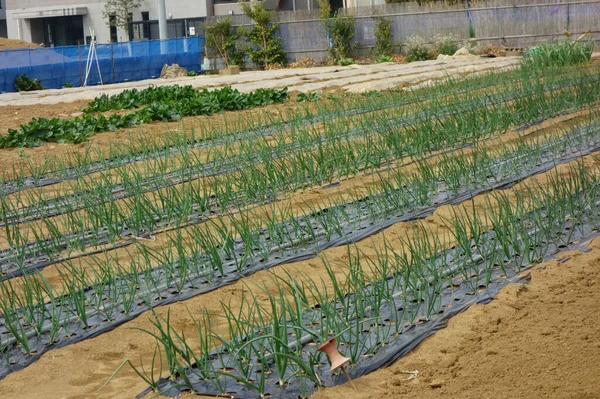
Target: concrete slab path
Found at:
x=353, y=78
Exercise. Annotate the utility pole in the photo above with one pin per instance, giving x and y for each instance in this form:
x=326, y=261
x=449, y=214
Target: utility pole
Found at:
x=162, y=20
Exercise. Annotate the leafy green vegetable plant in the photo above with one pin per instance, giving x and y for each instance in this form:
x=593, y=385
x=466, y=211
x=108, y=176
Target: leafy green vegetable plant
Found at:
x=383, y=58
x=165, y=104
x=346, y=61
x=308, y=97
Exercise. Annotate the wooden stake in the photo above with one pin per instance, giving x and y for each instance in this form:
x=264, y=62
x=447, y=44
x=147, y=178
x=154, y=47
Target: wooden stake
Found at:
x=349, y=379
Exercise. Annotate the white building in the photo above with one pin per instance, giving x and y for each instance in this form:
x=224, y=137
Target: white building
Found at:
x=68, y=22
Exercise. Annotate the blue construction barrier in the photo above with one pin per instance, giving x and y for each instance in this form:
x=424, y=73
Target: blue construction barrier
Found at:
x=119, y=62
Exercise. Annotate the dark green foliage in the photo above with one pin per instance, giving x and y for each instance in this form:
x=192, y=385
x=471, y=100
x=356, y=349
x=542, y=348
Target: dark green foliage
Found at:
x=237, y=54
x=58, y=130
x=267, y=47
x=135, y=98
x=167, y=103
x=221, y=39
x=23, y=83
x=341, y=31
x=384, y=45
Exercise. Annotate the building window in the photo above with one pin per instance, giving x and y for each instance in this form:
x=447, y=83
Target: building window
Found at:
x=63, y=31
x=144, y=30
x=145, y=26
x=112, y=20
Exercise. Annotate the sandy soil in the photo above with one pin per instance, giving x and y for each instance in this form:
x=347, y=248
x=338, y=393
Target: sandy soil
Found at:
x=539, y=340
x=103, y=143
x=10, y=44
x=11, y=117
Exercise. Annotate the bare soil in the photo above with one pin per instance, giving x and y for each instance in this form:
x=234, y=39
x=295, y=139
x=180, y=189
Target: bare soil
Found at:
x=11, y=44
x=11, y=117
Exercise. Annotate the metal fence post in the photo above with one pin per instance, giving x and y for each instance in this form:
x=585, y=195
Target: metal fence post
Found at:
x=112, y=57
x=568, y=17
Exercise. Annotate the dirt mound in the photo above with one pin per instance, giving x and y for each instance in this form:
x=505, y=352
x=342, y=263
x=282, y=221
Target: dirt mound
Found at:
x=8, y=44
x=173, y=71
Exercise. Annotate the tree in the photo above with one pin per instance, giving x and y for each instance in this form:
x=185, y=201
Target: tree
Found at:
x=268, y=47
x=117, y=12
x=384, y=40
x=221, y=38
x=340, y=30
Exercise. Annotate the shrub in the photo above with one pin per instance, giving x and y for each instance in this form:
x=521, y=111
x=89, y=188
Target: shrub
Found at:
x=23, y=83
x=237, y=55
x=418, y=49
x=384, y=45
x=445, y=44
x=267, y=47
x=347, y=61
x=340, y=29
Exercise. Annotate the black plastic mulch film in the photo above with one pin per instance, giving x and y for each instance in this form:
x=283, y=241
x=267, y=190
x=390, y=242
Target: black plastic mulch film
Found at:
x=74, y=331
x=33, y=261
x=392, y=342
x=59, y=205
x=101, y=237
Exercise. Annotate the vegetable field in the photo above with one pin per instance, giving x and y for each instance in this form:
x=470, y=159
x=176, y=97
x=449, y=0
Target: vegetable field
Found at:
x=216, y=261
